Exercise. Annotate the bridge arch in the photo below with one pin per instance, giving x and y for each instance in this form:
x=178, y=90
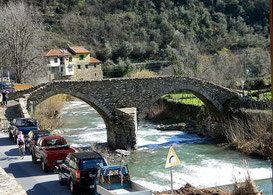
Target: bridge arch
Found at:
x=213, y=96
x=105, y=114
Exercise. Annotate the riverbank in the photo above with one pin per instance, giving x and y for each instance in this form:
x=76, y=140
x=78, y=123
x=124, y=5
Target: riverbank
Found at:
x=247, y=130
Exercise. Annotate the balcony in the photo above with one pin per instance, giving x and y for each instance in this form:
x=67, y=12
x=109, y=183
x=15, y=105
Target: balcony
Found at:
x=67, y=70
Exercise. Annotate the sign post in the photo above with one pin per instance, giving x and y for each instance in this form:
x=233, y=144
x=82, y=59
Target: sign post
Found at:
x=171, y=160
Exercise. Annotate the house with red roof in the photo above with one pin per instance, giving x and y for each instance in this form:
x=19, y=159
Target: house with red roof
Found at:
x=73, y=63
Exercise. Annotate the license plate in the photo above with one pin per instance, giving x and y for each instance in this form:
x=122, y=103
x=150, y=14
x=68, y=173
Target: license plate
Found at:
x=59, y=161
x=91, y=186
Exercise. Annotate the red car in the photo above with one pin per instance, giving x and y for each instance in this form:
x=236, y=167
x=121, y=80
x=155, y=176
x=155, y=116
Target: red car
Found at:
x=51, y=150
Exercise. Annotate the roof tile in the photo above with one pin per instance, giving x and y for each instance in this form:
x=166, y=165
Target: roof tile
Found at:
x=79, y=49
x=58, y=52
x=94, y=60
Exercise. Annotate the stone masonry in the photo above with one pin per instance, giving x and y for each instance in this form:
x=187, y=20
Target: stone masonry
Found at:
x=110, y=96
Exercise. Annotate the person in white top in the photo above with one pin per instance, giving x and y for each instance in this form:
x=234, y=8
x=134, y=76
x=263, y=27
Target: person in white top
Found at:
x=21, y=143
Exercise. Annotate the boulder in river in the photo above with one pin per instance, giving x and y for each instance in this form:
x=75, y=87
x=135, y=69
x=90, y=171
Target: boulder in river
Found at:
x=178, y=126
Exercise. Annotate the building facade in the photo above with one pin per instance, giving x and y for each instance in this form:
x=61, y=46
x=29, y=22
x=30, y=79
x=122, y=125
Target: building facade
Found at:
x=73, y=63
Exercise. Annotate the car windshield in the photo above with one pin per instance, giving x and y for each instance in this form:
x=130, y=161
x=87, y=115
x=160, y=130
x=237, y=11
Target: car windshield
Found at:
x=25, y=123
x=90, y=163
x=37, y=136
x=54, y=142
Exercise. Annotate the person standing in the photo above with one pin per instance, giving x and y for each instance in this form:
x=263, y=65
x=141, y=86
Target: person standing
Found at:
x=5, y=97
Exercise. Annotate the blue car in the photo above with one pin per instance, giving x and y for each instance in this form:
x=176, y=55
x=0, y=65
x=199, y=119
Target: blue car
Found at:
x=21, y=124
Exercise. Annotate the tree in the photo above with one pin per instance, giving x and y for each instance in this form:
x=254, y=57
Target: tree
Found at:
x=21, y=32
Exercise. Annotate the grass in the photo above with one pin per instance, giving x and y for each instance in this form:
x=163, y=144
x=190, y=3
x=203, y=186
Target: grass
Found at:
x=252, y=94
x=185, y=98
x=189, y=98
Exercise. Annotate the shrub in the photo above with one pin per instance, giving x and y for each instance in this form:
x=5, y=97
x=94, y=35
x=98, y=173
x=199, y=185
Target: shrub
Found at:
x=48, y=113
x=142, y=73
x=252, y=136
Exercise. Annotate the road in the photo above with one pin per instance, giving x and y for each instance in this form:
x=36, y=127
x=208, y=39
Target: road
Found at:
x=29, y=175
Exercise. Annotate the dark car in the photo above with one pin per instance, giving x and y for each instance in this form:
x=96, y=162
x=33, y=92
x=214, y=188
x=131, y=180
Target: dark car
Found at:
x=22, y=124
x=80, y=170
x=33, y=136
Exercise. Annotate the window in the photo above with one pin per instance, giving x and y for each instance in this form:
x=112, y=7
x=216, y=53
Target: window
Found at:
x=95, y=65
x=70, y=59
x=70, y=68
x=62, y=69
x=73, y=162
x=95, y=74
x=79, y=67
x=25, y=123
x=81, y=57
x=54, y=142
x=86, y=66
x=92, y=163
x=55, y=60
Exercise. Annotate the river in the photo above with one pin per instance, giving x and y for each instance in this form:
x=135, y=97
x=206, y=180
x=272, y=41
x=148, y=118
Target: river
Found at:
x=202, y=163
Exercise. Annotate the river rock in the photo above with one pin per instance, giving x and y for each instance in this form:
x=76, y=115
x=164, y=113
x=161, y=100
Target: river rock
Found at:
x=57, y=132
x=178, y=126
x=123, y=152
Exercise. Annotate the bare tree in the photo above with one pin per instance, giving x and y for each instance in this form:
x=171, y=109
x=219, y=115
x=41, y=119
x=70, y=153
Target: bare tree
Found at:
x=21, y=33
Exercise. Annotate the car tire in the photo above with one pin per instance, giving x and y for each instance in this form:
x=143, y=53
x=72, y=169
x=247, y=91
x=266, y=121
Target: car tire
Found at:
x=44, y=166
x=61, y=179
x=72, y=187
x=33, y=158
x=10, y=135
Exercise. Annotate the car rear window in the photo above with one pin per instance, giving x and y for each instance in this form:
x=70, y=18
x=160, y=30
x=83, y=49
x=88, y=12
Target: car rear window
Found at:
x=37, y=136
x=25, y=123
x=54, y=142
x=91, y=163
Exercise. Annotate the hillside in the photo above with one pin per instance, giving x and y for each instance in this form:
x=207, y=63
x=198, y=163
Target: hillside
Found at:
x=190, y=34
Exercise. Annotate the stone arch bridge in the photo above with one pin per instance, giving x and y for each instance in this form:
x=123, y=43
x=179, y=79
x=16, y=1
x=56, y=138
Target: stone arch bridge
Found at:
x=121, y=101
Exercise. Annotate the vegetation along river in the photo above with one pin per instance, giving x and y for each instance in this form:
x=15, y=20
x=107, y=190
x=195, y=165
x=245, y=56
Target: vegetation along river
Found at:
x=202, y=163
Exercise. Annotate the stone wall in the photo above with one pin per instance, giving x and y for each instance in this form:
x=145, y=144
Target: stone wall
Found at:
x=23, y=107
x=125, y=128
x=164, y=110
x=9, y=186
x=91, y=72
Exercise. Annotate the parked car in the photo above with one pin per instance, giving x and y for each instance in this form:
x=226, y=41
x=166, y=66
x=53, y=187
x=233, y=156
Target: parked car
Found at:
x=33, y=137
x=51, y=150
x=21, y=124
x=80, y=170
